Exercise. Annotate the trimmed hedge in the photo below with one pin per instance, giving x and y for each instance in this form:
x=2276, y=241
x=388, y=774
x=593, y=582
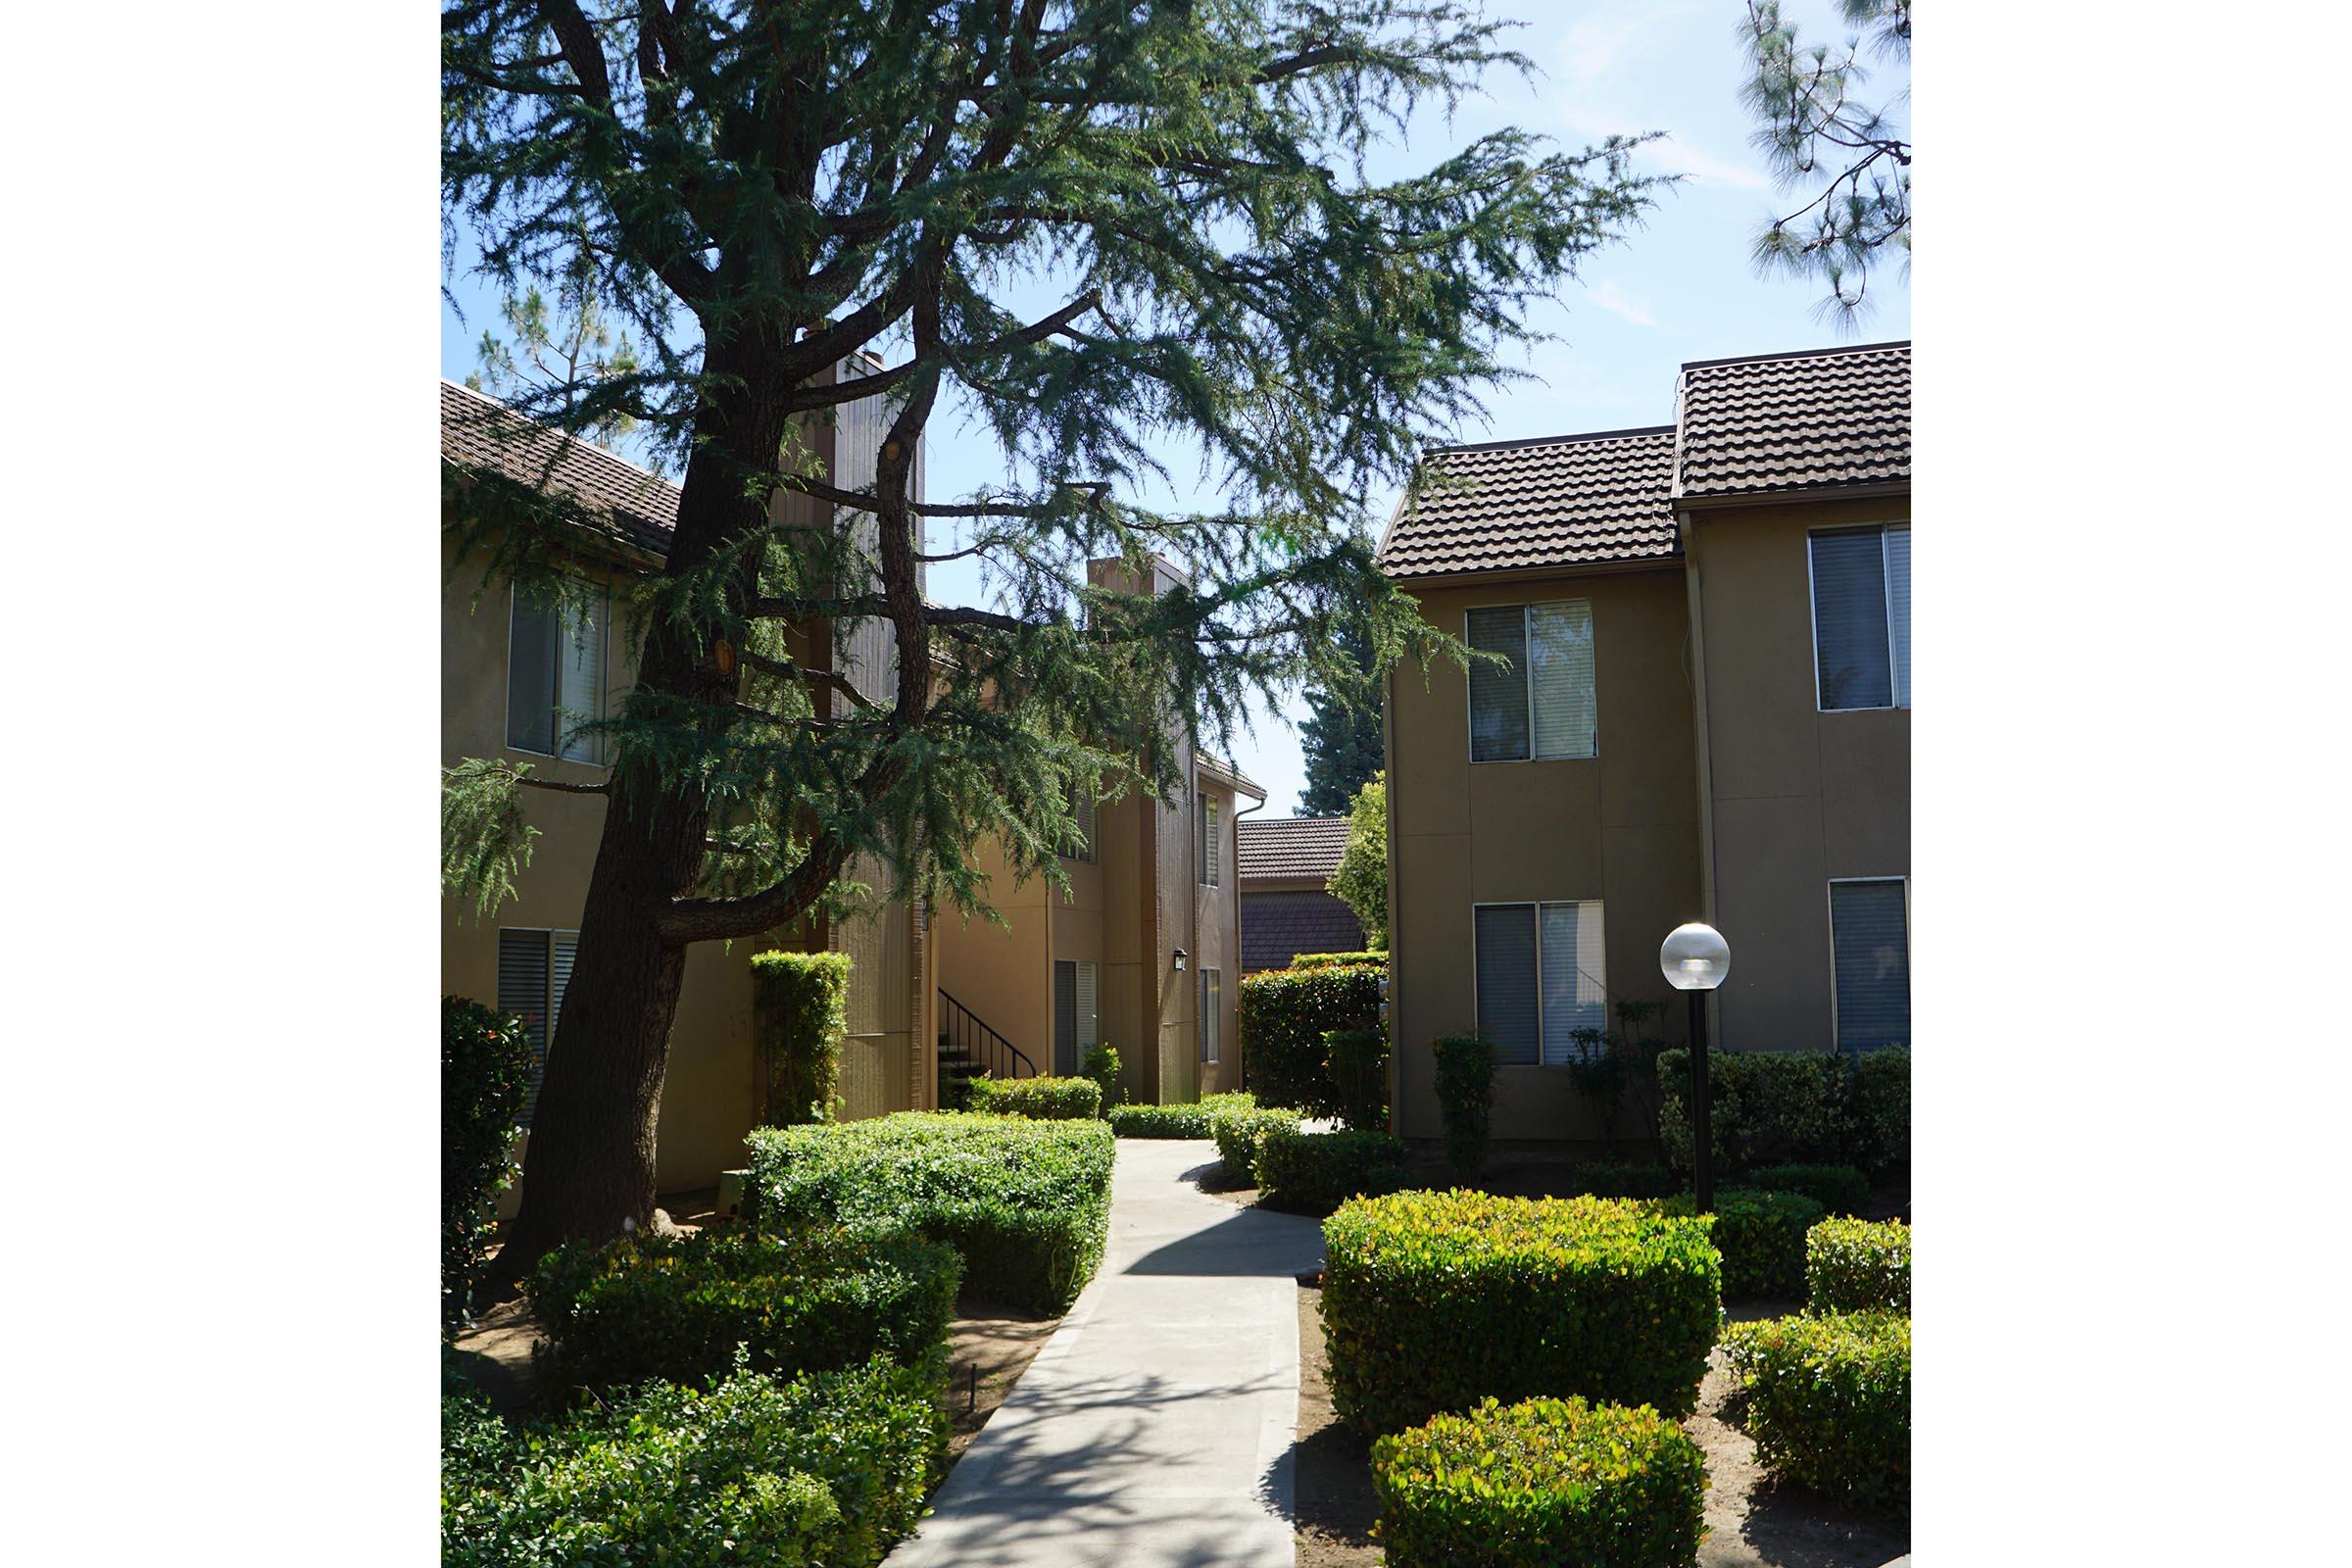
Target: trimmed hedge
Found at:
x=1880, y=1104
x=1435, y=1301
x=1314, y=1173
x=1041, y=1099
x=1027, y=1203
x=1541, y=1483
x=1828, y=1403
x=1838, y=1188
x=1762, y=1239
x=1103, y=1066
x=1357, y=1061
x=1330, y=960
x=1283, y=1017
x=1198, y=1119
x=1623, y=1178
x=1815, y=1107
x=1239, y=1136
x=1856, y=1265
x=1465, y=1100
x=677, y=1309
x=485, y=1076
x=830, y=1468
x=799, y=1016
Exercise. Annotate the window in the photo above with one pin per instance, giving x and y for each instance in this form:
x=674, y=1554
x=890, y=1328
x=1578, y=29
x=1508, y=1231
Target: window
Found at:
x=1544, y=705
x=555, y=672
x=1870, y=940
x=1862, y=618
x=1082, y=833
x=533, y=969
x=1212, y=845
x=1077, y=1017
x=1212, y=1014
x=1540, y=976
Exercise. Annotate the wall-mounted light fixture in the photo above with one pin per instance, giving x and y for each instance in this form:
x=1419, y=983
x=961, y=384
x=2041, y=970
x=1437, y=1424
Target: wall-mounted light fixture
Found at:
x=1180, y=960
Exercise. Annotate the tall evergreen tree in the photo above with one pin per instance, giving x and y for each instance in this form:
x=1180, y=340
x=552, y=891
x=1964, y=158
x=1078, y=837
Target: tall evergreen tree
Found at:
x=1341, y=736
x=1102, y=229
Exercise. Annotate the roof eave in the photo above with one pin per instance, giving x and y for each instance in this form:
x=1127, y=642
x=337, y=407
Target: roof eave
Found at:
x=1671, y=561
x=1812, y=492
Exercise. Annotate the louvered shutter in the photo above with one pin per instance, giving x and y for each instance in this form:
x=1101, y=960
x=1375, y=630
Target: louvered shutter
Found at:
x=1869, y=930
x=522, y=990
x=1505, y=938
x=1065, y=1016
x=1499, y=724
x=1575, y=995
x=532, y=660
x=1849, y=619
x=1212, y=845
x=582, y=693
x=1898, y=610
x=1560, y=649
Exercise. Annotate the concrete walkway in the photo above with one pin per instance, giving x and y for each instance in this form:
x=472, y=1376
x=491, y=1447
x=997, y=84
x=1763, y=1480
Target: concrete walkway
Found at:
x=1155, y=1428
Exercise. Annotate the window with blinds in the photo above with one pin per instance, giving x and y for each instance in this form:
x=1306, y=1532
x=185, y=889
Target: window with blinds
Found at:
x=533, y=969
x=1870, y=938
x=1212, y=1014
x=1862, y=618
x=1077, y=1012
x=1543, y=706
x=1213, y=843
x=1542, y=975
x=555, y=672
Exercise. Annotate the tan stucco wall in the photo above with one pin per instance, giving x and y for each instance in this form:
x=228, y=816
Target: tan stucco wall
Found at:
x=1621, y=826
x=1795, y=797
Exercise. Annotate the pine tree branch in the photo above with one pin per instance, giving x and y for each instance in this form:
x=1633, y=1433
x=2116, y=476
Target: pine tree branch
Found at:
x=786, y=669
x=532, y=782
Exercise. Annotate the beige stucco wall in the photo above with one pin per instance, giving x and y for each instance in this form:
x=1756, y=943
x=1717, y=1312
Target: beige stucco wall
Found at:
x=1621, y=826
x=1795, y=796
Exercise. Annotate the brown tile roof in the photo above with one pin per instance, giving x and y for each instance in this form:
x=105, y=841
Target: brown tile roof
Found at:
x=1277, y=927
x=1562, y=501
x=480, y=432
x=1293, y=846
x=1780, y=422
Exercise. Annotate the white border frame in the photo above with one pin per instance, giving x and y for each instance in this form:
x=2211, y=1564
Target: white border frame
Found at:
x=1830, y=905
x=1887, y=603
x=1526, y=679
x=1536, y=905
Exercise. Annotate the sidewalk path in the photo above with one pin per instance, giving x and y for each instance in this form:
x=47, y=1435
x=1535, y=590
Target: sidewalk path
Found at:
x=1155, y=1428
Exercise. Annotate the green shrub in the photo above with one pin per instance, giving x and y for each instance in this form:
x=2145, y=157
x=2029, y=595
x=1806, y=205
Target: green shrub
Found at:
x=814, y=1301
x=799, y=1016
x=828, y=1469
x=1856, y=1265
x=1465, y=1100
x=1239, y=1137
x=1838, y=1188
x=1766, y=1107
x=1283, y=1017
x=1358, y=1060
x=485, y=1076
x=1541, y=1483
x=1102, y=1065
x=1327, y=961
x=1762, y=1239
x=1622, y=1178
x=1314, y=1173
x=1880, y=1104
x=1828, y=1403
x=1435, y=1301
x=1196, y=1120
x=1026, y=1203
x=1039, y=1098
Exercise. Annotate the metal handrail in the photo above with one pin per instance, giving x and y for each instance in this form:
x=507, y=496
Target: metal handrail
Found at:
x=964, y=1033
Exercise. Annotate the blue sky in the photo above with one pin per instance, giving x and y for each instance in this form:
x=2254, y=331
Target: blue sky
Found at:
x=1680, y=288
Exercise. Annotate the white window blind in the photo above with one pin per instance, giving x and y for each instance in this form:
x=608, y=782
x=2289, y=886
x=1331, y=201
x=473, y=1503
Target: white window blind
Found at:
x=1870, y=938
x=1545, y=705
x=1090, y=1007
x=1575, y=995
x=1542, y=975
x=1862, y=618
x=555, y=672
x=1508, y=1013
x=1212, y=1014
x=534, y=969
x=1077, y=1012
x=1213, y=843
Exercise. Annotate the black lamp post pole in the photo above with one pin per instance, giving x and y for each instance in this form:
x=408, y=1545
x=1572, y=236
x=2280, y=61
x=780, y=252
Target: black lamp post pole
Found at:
x=1702, y=1121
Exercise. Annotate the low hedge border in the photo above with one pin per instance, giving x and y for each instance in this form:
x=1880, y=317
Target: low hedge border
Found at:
x=1828, y=1403
x=831, y=1467
x=1858, y=1265
x=1195, y=1120
x=1313, y=1173
x=1623, y=1178
x=1838, y=1189
x=677, y=1309
x=1027, y=1203
x=1239, y=1136
x=1762, y=1239
x=1541, y=1483
x=1041, y=1099
x=1435, y=1301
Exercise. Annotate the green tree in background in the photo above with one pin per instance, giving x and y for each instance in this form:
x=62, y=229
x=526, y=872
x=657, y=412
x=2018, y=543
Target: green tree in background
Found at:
x=1341, y=734
x=1852, y=158
x=1361, y=880
x=1095, y=231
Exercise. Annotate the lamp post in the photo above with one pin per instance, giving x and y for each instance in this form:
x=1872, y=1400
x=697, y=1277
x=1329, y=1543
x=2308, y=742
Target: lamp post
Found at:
x=1694, y=957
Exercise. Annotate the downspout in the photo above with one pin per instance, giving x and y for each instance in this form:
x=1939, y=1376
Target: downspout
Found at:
x=1389, y=781
x=1697, y=649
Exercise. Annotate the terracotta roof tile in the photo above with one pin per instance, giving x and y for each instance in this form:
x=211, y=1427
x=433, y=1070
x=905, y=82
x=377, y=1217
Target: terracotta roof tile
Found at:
x=1292, y=845
x=1794, y=422
x=1564, y=501
x=478, y=431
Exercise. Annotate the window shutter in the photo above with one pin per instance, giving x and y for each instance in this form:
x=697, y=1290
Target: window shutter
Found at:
x=522, y=989
x=532, y=675
x=1559, y=645
x=1065, y=1016
x=1574, y=993
x=1499, y=697
x=1088, y=997
x=1869, y=933
x=582, y=697
x=1849, y=619
x=1506, y=939
x=1898, y=610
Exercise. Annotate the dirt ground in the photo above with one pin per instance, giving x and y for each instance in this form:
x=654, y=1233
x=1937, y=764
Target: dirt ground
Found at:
x=1749, y=1524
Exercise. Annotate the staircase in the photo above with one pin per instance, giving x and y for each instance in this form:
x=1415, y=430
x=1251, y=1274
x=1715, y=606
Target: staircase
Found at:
x=970, y=1048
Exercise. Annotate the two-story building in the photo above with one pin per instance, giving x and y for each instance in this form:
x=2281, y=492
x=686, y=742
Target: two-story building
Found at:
x=1702, y=713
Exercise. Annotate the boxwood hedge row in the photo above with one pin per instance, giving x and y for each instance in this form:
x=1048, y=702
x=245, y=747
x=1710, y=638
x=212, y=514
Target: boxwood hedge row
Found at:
x=1196, y=1120
x=1041, y=1099
x=1239, y=1136
x=1283, y=1015
x=1314, y=1173
x=1838, y=1188
x=1762, y=1239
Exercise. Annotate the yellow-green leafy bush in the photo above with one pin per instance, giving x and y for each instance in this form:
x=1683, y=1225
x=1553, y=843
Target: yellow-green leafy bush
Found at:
x=1328, y=961
x=1283, y=1015
x=1855, y=1265
x=1762, y=1239
x=1038, y=1099
x=1314, y=1173
x=799, y=1016
x=1828, y=1403
x=1196, y=1120
x=1435, y=1301
x=1239, y=1136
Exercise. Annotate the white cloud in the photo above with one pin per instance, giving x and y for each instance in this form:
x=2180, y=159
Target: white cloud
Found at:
x=1594, y=45
x=1704, y=168
x=1610, y=297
